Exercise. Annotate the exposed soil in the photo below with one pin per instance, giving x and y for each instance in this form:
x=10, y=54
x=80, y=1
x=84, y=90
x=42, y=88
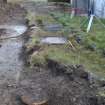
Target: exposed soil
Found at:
x=10, y=49
x=57, y=83
x=11, y=13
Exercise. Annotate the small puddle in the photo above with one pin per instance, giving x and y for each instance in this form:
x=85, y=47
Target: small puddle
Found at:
x=53, y=27
x=54, y=40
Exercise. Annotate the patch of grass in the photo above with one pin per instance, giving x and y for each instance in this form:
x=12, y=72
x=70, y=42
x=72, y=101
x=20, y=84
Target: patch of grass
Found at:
x=45, y=18
x=96, y=34
x=37, y=58
x=92, y=60
x=31, y=17
x=64, y=54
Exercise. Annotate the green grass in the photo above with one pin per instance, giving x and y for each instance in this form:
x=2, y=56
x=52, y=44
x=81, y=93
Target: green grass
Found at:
x=64, y=54
x=92, y=60
x=96, y=34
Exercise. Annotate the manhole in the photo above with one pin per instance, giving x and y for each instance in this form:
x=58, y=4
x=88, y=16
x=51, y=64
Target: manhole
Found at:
x=54, y=40
x=53, y=27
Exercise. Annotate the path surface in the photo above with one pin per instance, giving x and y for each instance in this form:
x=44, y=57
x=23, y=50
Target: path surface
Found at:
x=57, y=83
x=10, y=63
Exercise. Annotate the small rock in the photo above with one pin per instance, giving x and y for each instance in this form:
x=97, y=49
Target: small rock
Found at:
x=101, y=83
x=29, y=101
x=92, y=47
x=93, y=100
x=24, y=82
x=11, y=86
x=32, y=25
x=103, y=52
x=0, y=45
x=80, y=71
x=78, y=39
x=70, y=69
x=26, y=100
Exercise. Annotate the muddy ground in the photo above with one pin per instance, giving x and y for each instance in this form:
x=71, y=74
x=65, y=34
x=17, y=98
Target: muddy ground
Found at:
x=57, y=83
x=11, y=20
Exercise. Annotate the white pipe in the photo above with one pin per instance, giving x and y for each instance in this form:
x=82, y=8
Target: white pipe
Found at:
x=90, y=23
x=73, y=11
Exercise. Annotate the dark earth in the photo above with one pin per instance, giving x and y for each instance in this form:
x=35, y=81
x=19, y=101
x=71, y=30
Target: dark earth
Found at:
x=53, y=83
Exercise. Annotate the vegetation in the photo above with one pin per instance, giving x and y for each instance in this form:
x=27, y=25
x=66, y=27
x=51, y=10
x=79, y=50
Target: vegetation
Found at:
x=92, y=43
x=89, y=47
x=95, y=36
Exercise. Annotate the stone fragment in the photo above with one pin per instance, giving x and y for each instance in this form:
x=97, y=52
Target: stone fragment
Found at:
x=29, y=101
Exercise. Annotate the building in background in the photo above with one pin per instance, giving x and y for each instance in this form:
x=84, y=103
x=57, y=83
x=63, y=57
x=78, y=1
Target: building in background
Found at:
x=100, y=8
x=25, y=0
x=59, y=1
x=82, y=6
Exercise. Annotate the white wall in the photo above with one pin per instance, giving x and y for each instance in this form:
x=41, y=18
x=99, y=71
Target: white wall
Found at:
x=24, y=0
x=100, y=8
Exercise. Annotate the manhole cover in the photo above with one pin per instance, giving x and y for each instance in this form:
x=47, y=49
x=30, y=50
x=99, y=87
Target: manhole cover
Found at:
x=54, y=40
x=53, y=27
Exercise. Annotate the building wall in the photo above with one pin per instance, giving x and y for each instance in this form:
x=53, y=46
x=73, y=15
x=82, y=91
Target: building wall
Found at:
x=81, y=4
x=59, y=1
x=25, y=0
x=100, y=8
